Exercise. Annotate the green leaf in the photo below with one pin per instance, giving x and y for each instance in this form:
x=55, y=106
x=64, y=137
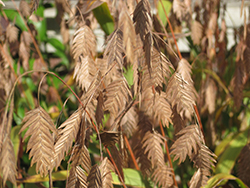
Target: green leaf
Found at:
x=167, y=5
x=40, y=11
x=231, y=153
x=41, y=28
x=12, y=14
x=217, y=180
x=104, y=18
x=224, y=143
x=29, y=96
x=128, y=74
x=15, y=138
x=132, y=178
x=56, y=176
x=65, y=60
x=56, y=44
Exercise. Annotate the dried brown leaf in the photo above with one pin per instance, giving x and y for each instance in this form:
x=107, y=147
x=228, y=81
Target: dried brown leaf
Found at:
x=77, y=178
x=180, y=9
x=34, y=5
x=41, y=142
x=24, y=49
x=148, y=48
x=80, y=157
x=129, y=122
x=198, y=180
x=160, y=70
x=67, y=133
x=238, y=83
x=210, y=92
x=84, y=43
x=162, y=175
x=8, y=161
x=25, y=8
x=114, y=49
x=142, y=18
x=244, y=168
x=12, y=33
x=87, y=6
x=188, y=143
x=181, y=91
x=161, y=109
x=85, y=72
x=129, y=35
x=196, y=32
x=64, y=30
x=153, y=146
x=109, y=138
x=204, y=161
x=142, y=158
x=106, y=167
x=99, y=113
x=178, y=122
x=94, y=177
x=145, y=123
x=118, y=160
x=117, y=95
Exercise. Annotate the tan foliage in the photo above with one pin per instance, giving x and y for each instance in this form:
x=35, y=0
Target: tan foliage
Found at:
x=84, y=43
x=8, y=161
x=41, y=142
x=114, y=48
x=180, y=90
x=106, y=167
x=66, y=134
x=197, y=32
x=117, y=95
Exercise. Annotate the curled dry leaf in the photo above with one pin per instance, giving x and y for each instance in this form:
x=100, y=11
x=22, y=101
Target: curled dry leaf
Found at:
x=67, y=133
x=142, y=158
x=118, y=160
x=244, y=168
x=129, y=122
x=204, y=161
x=77, y=178
x=8, y=161
x=142, y=18
x=84, y=43
x=129, y=36
x=179, y=9
x=24, y=49
x=80, y=157
x=99, y=113
x=181, y=91
x=12, y=33
x=94, y=177
x=189, y=142
x=34, y=5
x=196, y=32
x=114, y=49
x=106, y=167
x=109, y=138
x=117, y=94
x=85, y=71
x=41, y=142
x=211, y=92
x=153, y=146
x=163, y=176
x=24, y=8
x=198, y=179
